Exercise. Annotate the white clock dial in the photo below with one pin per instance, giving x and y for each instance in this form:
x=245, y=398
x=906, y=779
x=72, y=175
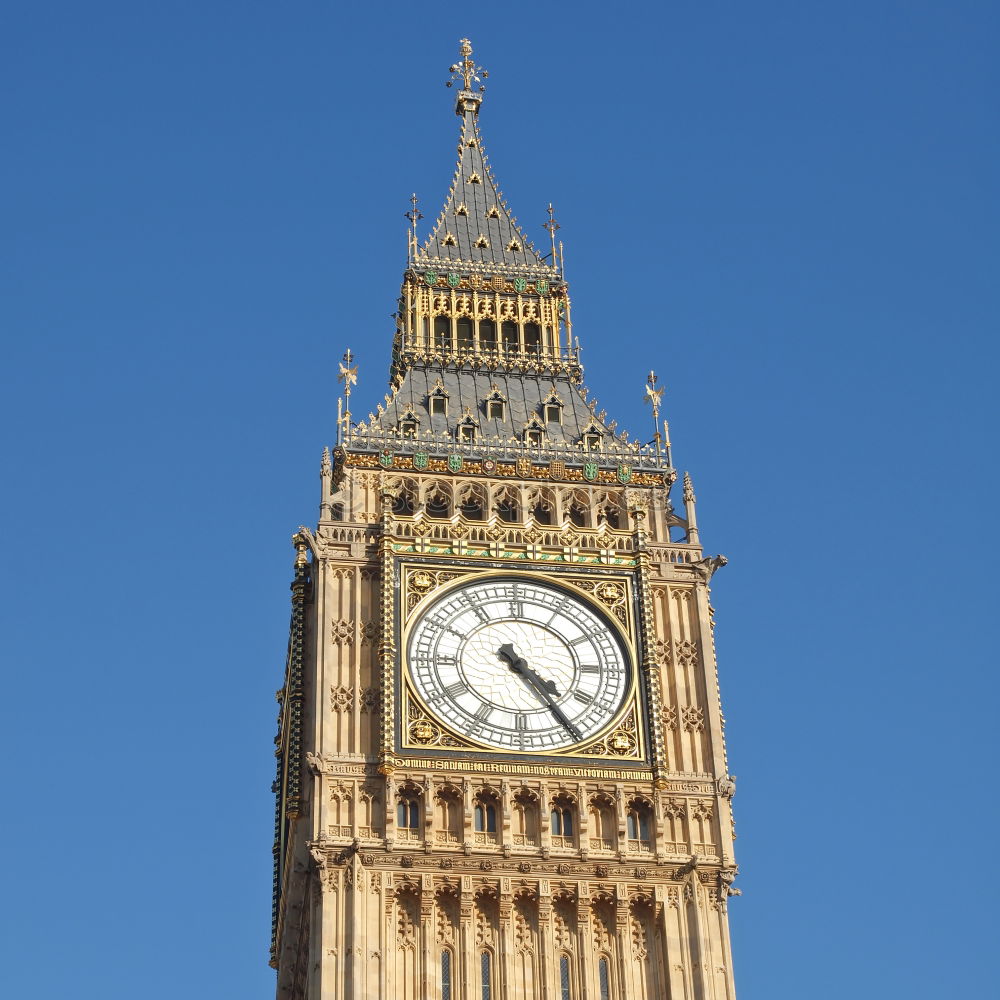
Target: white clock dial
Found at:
x=518, y=664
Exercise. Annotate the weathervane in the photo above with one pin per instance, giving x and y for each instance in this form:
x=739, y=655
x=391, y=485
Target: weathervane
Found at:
x=467, y=69
x=349, y=376
x=654, y=395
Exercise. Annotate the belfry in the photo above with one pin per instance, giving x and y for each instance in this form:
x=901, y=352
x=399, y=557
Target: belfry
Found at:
x=501, y=766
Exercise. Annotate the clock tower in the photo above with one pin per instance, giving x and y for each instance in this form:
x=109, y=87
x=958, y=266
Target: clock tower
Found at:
x=501, y=763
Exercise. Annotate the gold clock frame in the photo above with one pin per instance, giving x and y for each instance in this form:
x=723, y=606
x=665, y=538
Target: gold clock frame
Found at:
x=612, y=596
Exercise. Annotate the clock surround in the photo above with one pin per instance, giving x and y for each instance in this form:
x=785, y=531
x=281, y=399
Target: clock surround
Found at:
x=607, y=595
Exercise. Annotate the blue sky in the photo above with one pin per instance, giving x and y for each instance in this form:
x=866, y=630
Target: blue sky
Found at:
x=788, y=209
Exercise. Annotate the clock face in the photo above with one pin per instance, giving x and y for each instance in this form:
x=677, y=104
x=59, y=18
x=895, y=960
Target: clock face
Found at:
x=518, y=664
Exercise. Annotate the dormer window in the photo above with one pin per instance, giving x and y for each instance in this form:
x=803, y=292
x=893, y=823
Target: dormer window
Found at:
x=437, y=401
x=496, y=404
x=514, y=246
x=474, y=178
x=533, y=433
x=482, y=242
x=591, y=438
x=461, y=209
x=552, y=407
x=466, y=429
x=449, y=241
x=492, y=212
x=409, y=423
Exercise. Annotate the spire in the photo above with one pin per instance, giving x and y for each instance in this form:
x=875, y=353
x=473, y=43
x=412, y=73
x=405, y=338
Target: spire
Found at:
x=476, y=230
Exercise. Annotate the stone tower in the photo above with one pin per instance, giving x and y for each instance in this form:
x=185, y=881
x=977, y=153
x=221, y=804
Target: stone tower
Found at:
x=501, y=764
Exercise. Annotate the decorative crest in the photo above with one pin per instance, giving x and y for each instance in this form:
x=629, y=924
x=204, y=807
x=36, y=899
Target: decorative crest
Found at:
x=466, y=69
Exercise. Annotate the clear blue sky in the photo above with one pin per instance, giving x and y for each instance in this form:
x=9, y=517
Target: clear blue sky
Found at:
x=788, y=209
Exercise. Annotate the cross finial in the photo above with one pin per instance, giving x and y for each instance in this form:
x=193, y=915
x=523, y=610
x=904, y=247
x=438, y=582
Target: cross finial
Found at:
x=552, y=226
x=466, y=69
x=413, y=215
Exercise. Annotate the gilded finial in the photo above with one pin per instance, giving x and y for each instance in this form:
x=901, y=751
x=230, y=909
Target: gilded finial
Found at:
x=466, y=69
x=349, y=376
x=653, y=396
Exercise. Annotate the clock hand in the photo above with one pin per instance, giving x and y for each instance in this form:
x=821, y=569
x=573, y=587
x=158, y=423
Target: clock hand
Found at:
x=543, y=688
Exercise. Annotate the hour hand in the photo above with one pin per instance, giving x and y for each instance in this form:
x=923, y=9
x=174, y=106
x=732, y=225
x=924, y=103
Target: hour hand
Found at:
x=506, y=651
x=520, y=666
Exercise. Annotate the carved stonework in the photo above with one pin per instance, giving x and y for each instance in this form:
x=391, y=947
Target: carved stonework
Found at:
x=341, y=698
x=693, y=719
x=342, y=632
x=407, y=919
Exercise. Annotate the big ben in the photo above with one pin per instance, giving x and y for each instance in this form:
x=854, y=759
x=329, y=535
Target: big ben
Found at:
x=501, y=766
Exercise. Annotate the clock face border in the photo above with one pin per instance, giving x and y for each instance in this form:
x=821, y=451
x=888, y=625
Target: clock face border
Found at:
x=621, y=741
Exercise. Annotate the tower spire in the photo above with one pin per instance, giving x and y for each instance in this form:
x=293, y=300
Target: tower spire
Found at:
x=476, y=230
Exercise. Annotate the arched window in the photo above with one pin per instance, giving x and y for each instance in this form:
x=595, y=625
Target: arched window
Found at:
x=486, y=975
x=602, y=822
x=578, y=514
x=564, y=990
x=604, y=978
x=445, y=975
x=508, y=331
x=471, y=507
x=507, y=509
x=438, y=506
x=442, y=332
x=485, y=817
x=563, y=826
x=639, y=825
x=402, y=505
x=485, y=811
x=525, y=819
x=408, y=813
x=487, y=335
x=464, y=326
x=532, y=338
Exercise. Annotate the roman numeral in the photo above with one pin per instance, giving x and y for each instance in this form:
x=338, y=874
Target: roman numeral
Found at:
x=454, y=690
x=582, y=697
x=446, y=659
x=521, y=723
x=582, y=639
x=589, y=668
x=483, y=713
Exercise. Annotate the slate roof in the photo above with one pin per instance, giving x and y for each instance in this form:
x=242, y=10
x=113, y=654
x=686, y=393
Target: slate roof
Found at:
x=457, y=238
x=525, y=395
